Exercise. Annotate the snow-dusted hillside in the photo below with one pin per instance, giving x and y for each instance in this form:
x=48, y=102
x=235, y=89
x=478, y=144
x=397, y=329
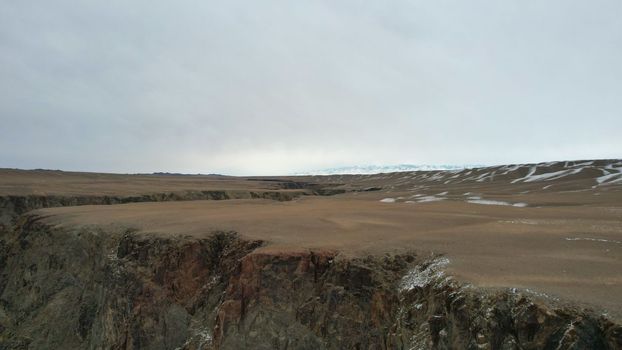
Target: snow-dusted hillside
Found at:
x=601, y=177
x=378, y=169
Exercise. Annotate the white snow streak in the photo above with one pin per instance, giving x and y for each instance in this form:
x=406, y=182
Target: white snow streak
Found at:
x=594, y=240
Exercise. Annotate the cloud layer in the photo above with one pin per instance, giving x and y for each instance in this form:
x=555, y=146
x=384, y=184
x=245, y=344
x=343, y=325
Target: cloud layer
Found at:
x=277, y=87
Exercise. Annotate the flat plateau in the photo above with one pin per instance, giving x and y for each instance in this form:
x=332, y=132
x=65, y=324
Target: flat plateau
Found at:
x=551, y=228
x=572, y=252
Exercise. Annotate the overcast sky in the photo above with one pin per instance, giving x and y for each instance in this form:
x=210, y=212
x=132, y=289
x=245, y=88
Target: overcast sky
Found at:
x=277, y=87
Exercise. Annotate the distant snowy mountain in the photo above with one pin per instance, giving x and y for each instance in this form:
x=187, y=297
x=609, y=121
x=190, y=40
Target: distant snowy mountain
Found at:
x=376, y=169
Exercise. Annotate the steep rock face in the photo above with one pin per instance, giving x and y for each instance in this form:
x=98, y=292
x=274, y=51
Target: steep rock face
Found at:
x=110, y=290
x=11, y=207
x=309, y=300
x=118, y=289
x=438, y=312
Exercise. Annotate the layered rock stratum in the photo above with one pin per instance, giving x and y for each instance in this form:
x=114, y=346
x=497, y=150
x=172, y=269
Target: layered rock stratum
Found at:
x=509, y=257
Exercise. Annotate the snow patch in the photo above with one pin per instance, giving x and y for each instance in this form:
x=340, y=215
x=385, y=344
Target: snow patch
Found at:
x=202, y=338
x=388, y=200
x=422, y=276
x=531, y=172
x=383, y=169
x=610, y=178
x=426, y=199
x=593, y=240
x=493, y=202
x=547, y=176
x=520, y=221
x=585, y=163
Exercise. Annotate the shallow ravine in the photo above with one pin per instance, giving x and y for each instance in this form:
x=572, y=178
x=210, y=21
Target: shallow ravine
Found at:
x=12, y=206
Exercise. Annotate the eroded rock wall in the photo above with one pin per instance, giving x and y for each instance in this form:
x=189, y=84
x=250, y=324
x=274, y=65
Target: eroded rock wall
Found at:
x=111, y=290
x=119, y=289
x=438, y=312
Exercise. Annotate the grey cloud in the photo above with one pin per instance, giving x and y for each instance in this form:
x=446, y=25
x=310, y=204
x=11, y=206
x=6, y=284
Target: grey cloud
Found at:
x=277, y=87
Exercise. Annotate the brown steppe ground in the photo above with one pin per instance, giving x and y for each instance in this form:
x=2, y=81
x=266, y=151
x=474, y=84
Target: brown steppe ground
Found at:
x=51, y=182
x=563, y=238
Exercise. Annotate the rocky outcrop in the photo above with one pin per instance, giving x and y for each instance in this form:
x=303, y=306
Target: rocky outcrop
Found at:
x=87, y=288
x=440, y=313
x=309, y=300
x=120, y=289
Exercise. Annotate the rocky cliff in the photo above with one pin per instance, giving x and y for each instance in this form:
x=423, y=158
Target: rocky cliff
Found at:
x=115, y=288
x=12, y=206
